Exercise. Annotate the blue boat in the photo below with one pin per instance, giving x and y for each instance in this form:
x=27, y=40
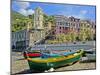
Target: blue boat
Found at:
x=66, y=53
x=48, y=55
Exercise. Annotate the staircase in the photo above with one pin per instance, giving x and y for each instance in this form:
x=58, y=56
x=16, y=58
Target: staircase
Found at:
x=47, y=33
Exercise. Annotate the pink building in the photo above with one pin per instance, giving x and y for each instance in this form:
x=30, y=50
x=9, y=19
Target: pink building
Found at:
x=61, y=29
x=65, y=24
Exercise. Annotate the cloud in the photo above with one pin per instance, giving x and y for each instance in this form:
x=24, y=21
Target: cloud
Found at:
x=23, y=5
x=26, y=12
x=23, y=12
x=81, y=15
x=30, y=12
x=24, y=8
x=83, y=12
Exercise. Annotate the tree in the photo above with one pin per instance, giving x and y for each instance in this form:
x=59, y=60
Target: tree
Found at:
x=82, y=35
x=48, y=19
x=19, y=21
x=68, y=38
x=85, y=32
x=89, y=33
x=73, y=36
x=82, y=32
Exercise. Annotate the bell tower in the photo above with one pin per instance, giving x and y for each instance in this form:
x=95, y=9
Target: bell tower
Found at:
x=29, y=25
x=38, y=18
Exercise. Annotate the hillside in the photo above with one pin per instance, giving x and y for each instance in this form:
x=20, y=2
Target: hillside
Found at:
x=18, y=21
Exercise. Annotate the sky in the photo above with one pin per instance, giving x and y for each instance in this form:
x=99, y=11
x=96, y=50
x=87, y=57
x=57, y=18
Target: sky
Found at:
x=78, y=11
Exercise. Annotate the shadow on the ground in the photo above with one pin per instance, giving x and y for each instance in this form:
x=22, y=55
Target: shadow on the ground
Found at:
x=66, y=65
x=21, y=59
x=28, y=71
x=88, y=61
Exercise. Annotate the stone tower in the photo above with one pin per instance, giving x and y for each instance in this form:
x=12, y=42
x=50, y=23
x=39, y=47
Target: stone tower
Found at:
x=29, y=25
x=38, y=18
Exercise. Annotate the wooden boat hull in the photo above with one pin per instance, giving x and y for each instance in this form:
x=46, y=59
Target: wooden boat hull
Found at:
x=46, y=55
x=31, y=54
x=56, y=62
x=47, y=66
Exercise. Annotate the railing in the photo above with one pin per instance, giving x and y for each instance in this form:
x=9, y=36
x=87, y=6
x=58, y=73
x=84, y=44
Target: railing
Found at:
x=43, y=37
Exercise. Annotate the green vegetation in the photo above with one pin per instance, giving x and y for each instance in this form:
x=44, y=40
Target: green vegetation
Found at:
x=48, y=19
x=64, y=38
x=85, y=34
x=19, y=21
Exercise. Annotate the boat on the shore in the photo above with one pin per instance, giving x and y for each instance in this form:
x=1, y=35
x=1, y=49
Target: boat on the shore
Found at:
x=89, y=56
x=55, y=54
x=33, y=54
x=42, y=64
x=46, y=54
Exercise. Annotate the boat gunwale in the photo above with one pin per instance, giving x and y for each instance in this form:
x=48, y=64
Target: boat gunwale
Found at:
x=55, y=59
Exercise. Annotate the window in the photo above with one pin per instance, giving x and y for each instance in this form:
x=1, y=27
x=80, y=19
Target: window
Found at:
x=59, y=27
x=60, y=23
x=74, y=20
x=78, y=29
x=74, y=25
x=66, y=28
x=38, y=18
x=66, y=24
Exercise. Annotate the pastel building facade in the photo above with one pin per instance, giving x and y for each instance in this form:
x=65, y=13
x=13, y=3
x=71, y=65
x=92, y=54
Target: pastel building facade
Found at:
x=71, y=24
x=62, y=25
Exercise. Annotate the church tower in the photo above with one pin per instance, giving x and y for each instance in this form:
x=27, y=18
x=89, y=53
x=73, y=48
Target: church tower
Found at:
x=29, y=25
x=38, y=18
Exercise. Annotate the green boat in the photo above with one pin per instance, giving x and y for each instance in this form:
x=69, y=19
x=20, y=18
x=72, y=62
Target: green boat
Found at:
x=43, y=64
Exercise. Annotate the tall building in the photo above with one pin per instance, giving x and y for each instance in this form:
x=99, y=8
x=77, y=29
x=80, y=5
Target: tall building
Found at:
x=62, y=25
x=38, y=18
x=74, y=24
